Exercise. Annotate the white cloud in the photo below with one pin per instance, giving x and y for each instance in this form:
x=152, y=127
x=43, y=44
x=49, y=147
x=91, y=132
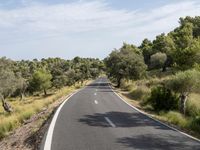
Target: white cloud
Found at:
x=87, y=20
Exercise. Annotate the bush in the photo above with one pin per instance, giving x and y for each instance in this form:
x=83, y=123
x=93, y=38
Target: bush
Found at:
x=195, y=124
x=127, y=85
x=193, y=105
x=157, y=60
x=176, y=118
x=140, y=93
x=162, y=98
x=185, y=81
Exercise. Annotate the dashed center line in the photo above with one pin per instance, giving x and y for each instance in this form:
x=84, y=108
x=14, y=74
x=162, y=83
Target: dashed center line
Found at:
x=95, y=101
x=110, y=122
x=95, y=94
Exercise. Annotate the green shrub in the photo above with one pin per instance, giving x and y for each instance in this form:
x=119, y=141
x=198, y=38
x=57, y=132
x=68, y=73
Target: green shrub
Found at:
x=195, y=124
x=162, y=98
x=176, y=118
x=140, y=93
x=127, y=85
x=6, y=127
x=157, y=60
x=193, y=106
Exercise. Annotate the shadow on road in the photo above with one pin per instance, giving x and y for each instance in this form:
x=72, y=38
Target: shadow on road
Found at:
x=154, y=137
x=99, y=85
x=121, y=119
x=102, y=87
x=157, y=142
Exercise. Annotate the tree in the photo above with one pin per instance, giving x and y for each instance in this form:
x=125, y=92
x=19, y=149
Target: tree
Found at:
x=22, y=85
x=41, y=80
x=125, y=63
x=60, y=81
x=195, y=21
x=184, y=83
x=71, y=77
x=146, y=48
x=187, y=47
x=164, y=44
x=8, y=87
x=7, y=82
x=158, y=60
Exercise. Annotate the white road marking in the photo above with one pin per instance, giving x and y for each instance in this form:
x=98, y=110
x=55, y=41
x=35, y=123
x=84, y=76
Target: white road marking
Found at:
x=48, y=141
x=154, y=118
x=95, y=94
x=110, y=122
x=96, y=90
x=95, y=101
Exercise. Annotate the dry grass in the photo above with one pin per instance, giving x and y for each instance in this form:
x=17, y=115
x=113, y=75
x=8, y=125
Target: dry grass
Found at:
x=193, y=105
x=138, y=91
x=23, y=110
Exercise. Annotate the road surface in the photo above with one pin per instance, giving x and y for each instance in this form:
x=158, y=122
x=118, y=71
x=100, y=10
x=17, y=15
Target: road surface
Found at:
x=97, y=119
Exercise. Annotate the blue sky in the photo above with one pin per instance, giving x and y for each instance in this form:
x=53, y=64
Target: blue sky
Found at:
x=86, y=28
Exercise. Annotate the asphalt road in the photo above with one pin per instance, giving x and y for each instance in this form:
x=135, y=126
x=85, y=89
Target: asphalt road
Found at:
x=97, y=119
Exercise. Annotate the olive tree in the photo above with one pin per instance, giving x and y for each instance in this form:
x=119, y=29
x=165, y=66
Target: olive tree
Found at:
x=21, y=85
x=184, y=83
x=8, y=87
x=125, y=63
x=158, y=60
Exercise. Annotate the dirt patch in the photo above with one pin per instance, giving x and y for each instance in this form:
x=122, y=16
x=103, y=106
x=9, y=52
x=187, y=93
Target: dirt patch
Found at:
x=30, y=134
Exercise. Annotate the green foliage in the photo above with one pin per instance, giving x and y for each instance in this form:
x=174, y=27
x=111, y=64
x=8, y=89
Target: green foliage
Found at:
x=59, y=81
x=41, y=80
x=146, y=48
x=8, y=80
x=193, y=105
x=187, y=46
x=195, y=124
x=195, y=21
x=162, y=98
x=185, y=82
x=164, y=44
x=157, y=60
x=125, y=63
x=176, y=118
x=140, y=93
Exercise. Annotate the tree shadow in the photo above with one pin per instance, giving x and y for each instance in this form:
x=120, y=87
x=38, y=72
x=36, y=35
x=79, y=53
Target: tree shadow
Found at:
x=121, y=119
x=102, y=87
x=99, y=85
x=154, y=142
x=48, y=95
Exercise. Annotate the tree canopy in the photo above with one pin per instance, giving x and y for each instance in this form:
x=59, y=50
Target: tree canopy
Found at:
x=126, y=63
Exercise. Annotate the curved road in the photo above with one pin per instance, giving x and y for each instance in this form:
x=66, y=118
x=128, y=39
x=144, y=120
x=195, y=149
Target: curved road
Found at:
x=97, y=119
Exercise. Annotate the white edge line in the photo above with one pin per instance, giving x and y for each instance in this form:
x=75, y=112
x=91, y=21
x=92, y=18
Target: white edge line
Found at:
x=47, y=145
x=198, y=140
x=110, y=122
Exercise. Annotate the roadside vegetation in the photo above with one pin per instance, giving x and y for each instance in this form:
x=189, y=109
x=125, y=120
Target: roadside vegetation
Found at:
x=162, y=76
x=28, y=87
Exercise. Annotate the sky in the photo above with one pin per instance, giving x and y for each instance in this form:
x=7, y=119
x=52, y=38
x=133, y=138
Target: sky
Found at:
x=87, y=28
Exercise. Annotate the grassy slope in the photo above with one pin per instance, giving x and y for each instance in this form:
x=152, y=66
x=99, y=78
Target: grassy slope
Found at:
x=137, y=92
x=23, y=110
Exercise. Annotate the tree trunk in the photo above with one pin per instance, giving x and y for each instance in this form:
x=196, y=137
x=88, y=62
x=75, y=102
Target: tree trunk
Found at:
x=6, y=106
x=45, y=92
x=119, y=82
x=22, y=96
x=183, y=100
x=164, y=68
